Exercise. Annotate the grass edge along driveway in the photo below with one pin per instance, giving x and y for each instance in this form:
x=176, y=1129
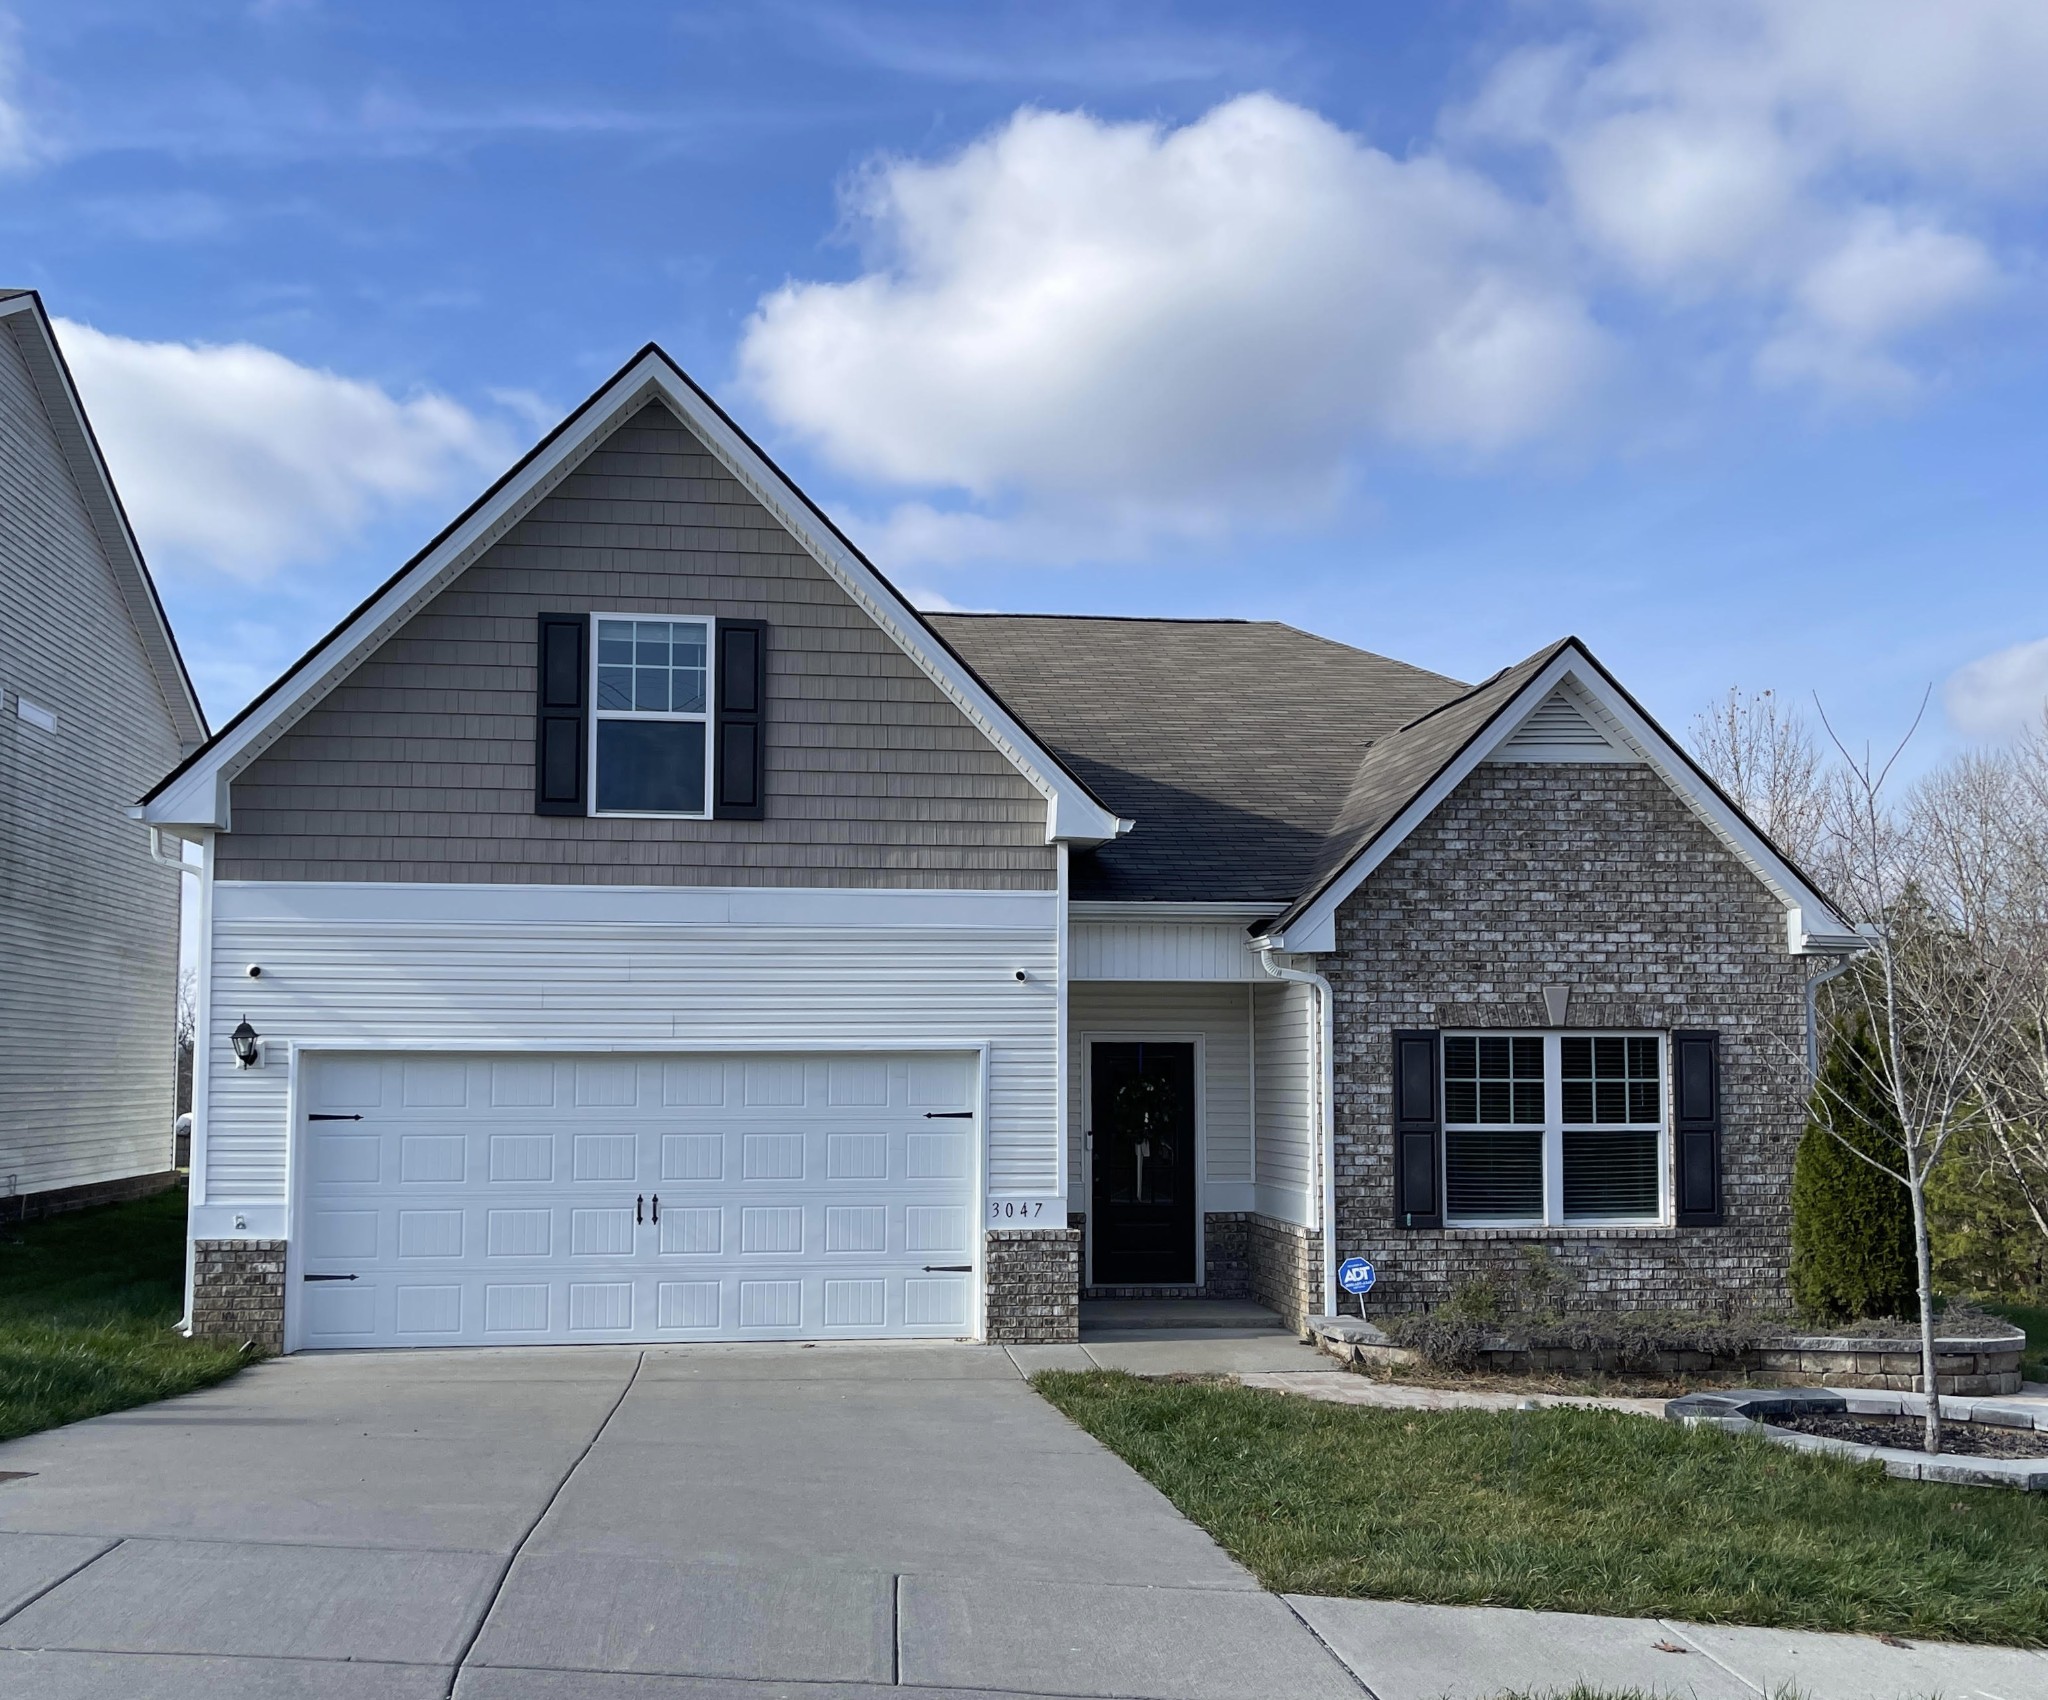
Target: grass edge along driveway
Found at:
x=89, y=1306
x=1572, y=1510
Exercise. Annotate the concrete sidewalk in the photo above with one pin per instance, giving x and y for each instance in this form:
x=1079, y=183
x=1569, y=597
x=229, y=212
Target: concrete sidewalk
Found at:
x=1410, y=1652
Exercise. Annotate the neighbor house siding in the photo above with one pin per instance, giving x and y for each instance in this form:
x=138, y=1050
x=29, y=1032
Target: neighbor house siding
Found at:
x=536, y=970
x=419, y=765
x=88, y=921
x=1598, y=878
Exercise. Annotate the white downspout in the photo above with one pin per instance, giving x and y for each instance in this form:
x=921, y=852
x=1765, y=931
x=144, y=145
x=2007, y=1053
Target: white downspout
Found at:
x=1813, y=986
x=1326, y=1111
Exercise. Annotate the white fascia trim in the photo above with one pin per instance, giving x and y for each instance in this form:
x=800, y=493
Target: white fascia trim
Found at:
x=1243, y=914
x=1812, y=926
x=809, y=907
x=199, y=795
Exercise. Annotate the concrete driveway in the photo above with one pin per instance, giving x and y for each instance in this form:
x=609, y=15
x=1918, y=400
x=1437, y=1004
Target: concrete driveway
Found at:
x=719, y=1523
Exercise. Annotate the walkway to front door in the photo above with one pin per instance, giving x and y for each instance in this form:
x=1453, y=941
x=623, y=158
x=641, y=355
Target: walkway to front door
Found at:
x=514, y=1524
x=1141, y=1200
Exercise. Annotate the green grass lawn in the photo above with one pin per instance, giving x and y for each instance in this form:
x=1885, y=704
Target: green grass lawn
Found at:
x=2034, y=1319
x=88, y=1309
x=1590, y=1511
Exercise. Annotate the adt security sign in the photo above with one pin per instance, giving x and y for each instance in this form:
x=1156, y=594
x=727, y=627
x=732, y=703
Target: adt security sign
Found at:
x=1355, y=1275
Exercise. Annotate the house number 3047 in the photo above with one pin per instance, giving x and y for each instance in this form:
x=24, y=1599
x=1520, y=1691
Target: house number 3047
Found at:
x=1015, y=1209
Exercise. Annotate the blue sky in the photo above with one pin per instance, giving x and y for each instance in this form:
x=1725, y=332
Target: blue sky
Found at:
x=1712, y=332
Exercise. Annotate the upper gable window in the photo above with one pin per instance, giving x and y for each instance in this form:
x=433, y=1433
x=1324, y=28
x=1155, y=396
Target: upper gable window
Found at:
x=650, y=730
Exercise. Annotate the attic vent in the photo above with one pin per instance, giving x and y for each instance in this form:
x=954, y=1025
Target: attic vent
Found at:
x=1559, y=729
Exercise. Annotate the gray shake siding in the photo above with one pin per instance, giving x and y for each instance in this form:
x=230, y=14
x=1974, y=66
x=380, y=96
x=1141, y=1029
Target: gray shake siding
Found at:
x=1594, y=877
x=88, y=922
x=419, y=766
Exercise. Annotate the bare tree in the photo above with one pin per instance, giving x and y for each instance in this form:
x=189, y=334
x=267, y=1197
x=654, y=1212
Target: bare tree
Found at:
x=1939, y=989
x=1762, y=753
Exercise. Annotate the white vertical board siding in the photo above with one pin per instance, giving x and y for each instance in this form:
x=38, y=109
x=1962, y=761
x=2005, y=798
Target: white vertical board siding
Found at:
x=1283, y=1042
x=1221, y=1016
x=502, y=968
x=1163, y=950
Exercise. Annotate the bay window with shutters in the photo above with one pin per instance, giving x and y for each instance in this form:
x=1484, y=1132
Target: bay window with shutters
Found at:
x=1557, y=1129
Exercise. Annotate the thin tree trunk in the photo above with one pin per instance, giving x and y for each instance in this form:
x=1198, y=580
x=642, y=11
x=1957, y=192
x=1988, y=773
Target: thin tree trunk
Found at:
x=1923, y=1257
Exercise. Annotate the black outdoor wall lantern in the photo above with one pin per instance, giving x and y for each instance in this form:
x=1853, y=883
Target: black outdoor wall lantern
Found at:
x=245, y=1039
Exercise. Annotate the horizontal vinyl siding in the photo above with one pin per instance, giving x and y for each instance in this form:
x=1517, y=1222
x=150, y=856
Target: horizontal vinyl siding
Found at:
x=419, y=765
x=1283, y=1045
x=1163, y=950
x=88, y=922
x=1222, y=1016
x=530, y=984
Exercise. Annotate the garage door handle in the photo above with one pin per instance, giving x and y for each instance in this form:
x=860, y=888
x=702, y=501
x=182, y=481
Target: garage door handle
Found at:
x=657, y=1207
x=939, y=1269
x=949, y=1115
x=639, y=1207
x=326, y=1277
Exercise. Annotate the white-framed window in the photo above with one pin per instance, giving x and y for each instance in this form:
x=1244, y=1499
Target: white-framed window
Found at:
x=1554, y=1129
x=650, y=722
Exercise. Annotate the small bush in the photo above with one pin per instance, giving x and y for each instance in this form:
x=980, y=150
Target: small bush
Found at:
x=1852, y=1224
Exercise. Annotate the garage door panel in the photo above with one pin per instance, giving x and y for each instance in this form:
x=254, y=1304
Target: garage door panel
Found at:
x=507, y=1199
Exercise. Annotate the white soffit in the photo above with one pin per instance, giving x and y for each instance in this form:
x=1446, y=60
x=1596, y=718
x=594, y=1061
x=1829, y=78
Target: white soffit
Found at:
x=1811, y=923
x=197, y=795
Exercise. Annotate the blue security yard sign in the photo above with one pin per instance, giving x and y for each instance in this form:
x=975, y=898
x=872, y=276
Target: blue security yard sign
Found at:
x=1356, y=1276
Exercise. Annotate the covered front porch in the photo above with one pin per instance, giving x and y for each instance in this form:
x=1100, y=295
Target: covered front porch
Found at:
x=1195, y=1158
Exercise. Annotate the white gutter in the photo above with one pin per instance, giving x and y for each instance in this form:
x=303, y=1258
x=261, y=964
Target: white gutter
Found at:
x=1326, y=1111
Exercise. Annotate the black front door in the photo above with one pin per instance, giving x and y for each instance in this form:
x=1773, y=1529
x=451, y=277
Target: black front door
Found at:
x=1142, y=1205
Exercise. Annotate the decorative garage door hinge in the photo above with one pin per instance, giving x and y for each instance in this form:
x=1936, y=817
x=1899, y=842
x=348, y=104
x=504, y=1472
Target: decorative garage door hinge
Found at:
x=949, y=1269
x=949, y=1115
x=331, y=1116
x=326, y=1277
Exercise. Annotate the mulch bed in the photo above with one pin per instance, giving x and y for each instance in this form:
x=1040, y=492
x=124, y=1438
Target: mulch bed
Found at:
x=1965, y=1440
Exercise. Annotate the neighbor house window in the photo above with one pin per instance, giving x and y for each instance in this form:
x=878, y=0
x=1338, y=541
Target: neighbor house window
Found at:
x=1547, y=1129
x=650, y=731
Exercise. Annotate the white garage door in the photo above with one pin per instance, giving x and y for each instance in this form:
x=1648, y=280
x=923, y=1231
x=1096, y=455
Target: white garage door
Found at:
x=501, y=1200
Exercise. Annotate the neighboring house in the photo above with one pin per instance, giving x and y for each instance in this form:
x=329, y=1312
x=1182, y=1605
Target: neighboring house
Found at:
x=647, y=926
x=94, y=702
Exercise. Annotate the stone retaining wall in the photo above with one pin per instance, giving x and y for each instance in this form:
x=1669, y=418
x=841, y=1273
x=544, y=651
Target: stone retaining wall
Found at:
x=1973, y=1368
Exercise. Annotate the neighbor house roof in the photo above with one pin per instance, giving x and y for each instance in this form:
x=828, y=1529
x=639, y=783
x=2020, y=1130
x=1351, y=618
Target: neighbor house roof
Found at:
x=21, y=311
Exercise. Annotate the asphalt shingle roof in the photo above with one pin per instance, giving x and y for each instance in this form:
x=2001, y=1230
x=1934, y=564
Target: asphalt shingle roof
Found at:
x=1239, y=747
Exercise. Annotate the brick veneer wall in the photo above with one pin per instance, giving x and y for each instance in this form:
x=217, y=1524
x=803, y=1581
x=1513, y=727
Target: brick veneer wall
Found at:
x=238, y=1291
x=1034, y=1286
x=1285, y=1268
x=1596, y=877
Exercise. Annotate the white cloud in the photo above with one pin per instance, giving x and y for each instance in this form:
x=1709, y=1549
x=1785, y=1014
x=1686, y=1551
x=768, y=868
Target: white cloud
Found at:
x=1168, y=328
x=233, y=458
x=1820, y=160
x=2001, y=693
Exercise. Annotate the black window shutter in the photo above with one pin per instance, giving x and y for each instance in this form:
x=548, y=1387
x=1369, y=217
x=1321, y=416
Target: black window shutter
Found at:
x=1696, y=1126
x=561, y=742
x=1418, y=1128
x=739, y=789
